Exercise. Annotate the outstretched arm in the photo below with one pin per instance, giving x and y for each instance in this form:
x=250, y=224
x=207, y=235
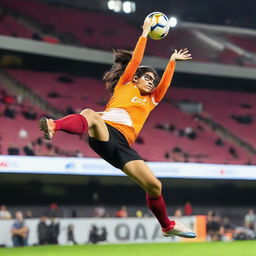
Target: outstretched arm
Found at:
x=165, y=82
x=137, y=53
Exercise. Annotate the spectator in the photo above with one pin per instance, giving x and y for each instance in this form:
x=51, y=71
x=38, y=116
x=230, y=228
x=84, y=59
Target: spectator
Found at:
x=190, y=133
x=185, y=157
x=54, y=230
x=19, y=231
x=65, y=79
x=29, y=113
x=50, y=150
x=4, y=213
x=43, y=231
x=213, y=227
x=188, y=209
x=28, y=150
x=70, y=234
x=250, y=220
x=122, y=213
x=180, y=132
x=79, y=153
x=10, y=112
x=166, y=126
x=99, y=212
x=93, y=235
x=243, y=119
x=178, y=213
x=13, y=149
x=139, y=214
x=176, y=149
x=70, y=110
x=226, y=224
x=97, y=234
x=39, y=142
x=53, y=211
x=19, y=99
x=219, y=142
x=7, y=99
x=103, y=235
x=28, y=215
x=53, y=94
x=227, y=230
x=233, y=152
x=36, y=36
x=167, y=155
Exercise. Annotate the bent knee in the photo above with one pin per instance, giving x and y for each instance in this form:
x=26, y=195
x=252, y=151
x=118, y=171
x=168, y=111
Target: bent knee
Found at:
x=154, y=188
x=87, y=112
x=91, y=116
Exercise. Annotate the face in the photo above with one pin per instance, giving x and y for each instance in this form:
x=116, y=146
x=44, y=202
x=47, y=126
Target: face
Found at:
x=145, y=83
x=19, y=216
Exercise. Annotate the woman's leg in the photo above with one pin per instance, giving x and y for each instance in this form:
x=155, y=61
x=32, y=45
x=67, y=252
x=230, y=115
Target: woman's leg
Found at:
x=87, y=120
x=139, y=171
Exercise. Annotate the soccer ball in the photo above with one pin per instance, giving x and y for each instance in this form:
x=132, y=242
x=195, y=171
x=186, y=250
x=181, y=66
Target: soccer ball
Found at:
x=160, y=27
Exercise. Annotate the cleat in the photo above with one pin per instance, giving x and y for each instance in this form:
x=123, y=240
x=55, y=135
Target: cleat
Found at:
x=47, y=126
x=179, y=230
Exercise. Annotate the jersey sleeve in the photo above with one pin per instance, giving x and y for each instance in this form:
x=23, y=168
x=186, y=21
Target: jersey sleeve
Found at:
x=165, y=82
x=134, y=62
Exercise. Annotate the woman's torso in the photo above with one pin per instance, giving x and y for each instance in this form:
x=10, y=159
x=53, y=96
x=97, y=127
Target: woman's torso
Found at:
x=127, y=110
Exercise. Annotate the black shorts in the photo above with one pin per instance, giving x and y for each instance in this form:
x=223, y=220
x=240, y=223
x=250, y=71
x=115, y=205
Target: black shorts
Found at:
x=116, y=150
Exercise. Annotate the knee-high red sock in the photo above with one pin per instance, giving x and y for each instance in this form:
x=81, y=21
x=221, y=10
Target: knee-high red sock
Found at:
x=157, y=205
x=74, y=123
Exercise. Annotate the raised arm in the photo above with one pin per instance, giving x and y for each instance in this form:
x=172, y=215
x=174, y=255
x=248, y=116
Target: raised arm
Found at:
x=165, y=82
x=137, y=53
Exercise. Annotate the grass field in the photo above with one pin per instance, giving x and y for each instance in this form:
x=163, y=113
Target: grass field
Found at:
x=241, y=248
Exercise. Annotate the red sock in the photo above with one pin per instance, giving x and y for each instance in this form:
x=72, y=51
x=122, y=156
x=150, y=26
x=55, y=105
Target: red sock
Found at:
x=157, y=205
x=74, y=123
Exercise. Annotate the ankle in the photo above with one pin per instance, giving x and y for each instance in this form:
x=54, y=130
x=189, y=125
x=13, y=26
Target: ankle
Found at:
x=55, y=125
x=170, y=227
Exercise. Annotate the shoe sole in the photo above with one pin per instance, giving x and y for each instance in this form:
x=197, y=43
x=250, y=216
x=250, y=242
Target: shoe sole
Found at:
x=44, y=127
x=184, y=235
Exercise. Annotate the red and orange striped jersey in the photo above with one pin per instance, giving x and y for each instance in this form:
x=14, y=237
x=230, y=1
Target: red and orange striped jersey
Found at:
x=127, y=110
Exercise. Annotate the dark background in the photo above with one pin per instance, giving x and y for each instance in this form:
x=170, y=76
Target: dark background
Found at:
x=229, y=12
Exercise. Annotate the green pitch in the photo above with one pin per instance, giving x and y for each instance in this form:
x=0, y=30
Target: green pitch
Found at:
x=243, y=248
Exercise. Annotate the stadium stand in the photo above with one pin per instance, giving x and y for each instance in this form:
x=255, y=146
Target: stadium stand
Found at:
x=239, y=107
x=246, y=42
x=10, y=27
x=27, y=133
x=70, y=93
x=94, y=30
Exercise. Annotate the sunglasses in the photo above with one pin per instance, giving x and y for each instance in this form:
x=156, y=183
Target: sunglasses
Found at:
x=150, y=78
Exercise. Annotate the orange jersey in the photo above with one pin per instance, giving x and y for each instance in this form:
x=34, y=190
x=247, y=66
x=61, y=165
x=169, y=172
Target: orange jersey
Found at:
x=127, y=110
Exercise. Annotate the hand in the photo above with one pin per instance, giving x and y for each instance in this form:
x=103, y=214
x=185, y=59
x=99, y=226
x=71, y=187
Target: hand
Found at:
x=182, y=54
x=147, y=26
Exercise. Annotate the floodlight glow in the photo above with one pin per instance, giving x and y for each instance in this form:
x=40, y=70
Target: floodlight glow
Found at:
x=115, y=5
x=129, y=7
x=173, y=22
x=111, y=5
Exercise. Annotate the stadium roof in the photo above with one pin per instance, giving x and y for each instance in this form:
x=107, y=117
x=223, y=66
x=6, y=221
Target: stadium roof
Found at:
x=229, y=12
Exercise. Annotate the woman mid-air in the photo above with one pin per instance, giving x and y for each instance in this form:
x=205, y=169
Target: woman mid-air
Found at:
x=136, y=91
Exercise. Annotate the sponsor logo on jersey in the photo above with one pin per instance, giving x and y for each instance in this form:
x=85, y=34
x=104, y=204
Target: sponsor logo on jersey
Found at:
x=138, y=100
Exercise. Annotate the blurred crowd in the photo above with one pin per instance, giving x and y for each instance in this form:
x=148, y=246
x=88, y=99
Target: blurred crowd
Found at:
x=178, y=154
x=12, y=106
x=221, y=229
x=218, y=228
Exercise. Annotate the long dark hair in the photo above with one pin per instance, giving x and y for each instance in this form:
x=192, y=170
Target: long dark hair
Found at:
x=122, y=58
